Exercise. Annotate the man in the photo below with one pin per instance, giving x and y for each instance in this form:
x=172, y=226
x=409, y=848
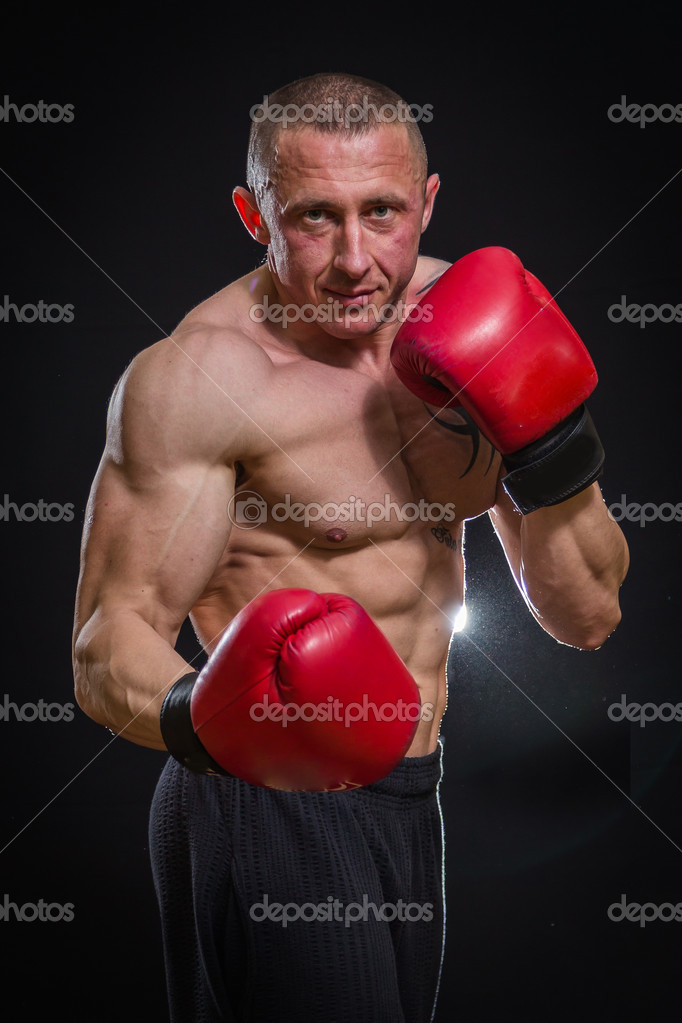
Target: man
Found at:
x=280, y=390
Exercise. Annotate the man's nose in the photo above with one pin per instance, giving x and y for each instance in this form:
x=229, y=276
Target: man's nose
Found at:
x=352, y=256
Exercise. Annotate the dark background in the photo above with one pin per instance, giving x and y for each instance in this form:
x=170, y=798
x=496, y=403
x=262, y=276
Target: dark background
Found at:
x=552, y=810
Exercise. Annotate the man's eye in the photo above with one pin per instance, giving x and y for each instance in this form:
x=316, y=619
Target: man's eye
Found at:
x=382, y=211
x=315, y=215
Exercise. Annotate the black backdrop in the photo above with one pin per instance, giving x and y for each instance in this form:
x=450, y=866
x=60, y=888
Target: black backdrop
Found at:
x=118, y=217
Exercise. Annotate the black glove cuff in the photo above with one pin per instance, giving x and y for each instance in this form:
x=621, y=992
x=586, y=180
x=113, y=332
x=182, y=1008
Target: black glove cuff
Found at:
x=557, y=466
x=178, y=732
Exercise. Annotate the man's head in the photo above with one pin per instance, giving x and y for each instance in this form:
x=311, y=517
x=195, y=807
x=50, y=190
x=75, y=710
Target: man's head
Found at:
x=331, y=104
x=339, y=192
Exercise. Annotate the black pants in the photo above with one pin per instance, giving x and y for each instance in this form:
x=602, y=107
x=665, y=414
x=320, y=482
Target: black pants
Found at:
x=279, y=906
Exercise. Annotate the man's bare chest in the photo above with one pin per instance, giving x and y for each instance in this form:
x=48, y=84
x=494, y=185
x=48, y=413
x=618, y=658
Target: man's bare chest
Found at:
x=331, y=444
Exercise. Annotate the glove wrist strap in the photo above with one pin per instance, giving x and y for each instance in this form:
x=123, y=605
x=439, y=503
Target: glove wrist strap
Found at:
x=178, y=732
x=557, y=466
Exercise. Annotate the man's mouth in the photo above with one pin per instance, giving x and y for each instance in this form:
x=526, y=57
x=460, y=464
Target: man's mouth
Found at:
x=349, y=298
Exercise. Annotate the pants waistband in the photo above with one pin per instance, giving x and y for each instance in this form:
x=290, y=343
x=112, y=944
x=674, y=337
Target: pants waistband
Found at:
x=414, y=776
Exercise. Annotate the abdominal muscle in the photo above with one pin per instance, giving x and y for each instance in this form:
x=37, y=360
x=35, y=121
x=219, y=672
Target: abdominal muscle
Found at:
x=411, y=586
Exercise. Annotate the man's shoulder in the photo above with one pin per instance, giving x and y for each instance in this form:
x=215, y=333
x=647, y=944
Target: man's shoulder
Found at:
x=427, y=272
x=227, y=308
x=196, y=381
x=214, y=342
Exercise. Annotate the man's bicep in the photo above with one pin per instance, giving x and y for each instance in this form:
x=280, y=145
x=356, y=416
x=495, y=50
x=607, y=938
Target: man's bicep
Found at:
x=157, y=520
x=152, y=541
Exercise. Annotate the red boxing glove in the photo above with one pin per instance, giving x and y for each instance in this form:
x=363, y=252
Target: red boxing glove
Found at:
x=497, y=344
x=303, y=693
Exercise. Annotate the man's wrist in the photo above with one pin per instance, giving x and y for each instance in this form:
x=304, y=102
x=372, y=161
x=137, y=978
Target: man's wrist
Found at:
x=557, y=466
x=177, y=729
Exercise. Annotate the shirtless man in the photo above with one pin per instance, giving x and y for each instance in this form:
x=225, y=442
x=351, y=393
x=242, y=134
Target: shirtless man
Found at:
x=313, y=410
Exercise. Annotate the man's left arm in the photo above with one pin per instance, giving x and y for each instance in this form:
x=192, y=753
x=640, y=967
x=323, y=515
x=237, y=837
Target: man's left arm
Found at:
x=497, y=344
x=569, y=561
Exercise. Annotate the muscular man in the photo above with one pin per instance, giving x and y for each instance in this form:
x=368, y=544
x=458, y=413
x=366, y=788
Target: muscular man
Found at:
x=280, y=390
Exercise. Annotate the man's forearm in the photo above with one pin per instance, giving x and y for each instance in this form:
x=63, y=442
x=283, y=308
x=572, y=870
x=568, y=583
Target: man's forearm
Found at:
x=573, y=559
x=123, y=669
x=569, y=561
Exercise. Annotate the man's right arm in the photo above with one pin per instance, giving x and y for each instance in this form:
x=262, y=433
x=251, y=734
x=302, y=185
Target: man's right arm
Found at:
x=155, y=529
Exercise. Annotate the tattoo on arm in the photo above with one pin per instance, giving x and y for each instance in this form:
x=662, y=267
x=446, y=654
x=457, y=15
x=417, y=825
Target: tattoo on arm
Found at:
x=443, y=535
x=466, y=429
x=430, y=284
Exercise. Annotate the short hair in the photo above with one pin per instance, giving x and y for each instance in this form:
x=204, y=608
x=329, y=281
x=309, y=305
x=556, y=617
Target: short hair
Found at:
x=331, y=103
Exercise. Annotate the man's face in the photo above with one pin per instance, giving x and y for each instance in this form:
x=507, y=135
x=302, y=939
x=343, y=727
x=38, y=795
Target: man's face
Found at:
x=344, y=217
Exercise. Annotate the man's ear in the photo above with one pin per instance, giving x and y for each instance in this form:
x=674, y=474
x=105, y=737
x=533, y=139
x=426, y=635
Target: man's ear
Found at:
x=432, y=186
x=250, y=215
